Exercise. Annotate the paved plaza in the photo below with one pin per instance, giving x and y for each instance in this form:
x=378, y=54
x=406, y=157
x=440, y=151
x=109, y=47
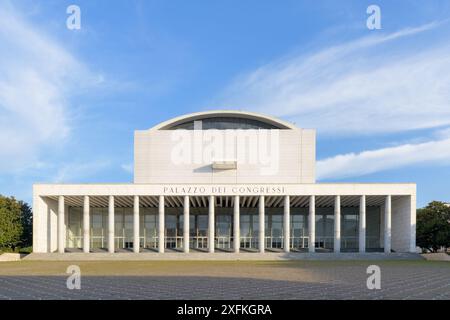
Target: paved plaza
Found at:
x=231, y=280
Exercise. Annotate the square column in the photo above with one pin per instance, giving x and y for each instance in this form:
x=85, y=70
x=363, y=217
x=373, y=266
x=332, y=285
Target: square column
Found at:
x=61, y=225
x=211, y=235
x=111, y=224
x=236, y=226
x=362, y=224
x=286, y=224
x=337, y=224
x=136, y=239
x=312, y=224
x=161, y=242
x=262, y=225
x=186, y=224
x=412, y=224
x=387, y=224
x=86, y=228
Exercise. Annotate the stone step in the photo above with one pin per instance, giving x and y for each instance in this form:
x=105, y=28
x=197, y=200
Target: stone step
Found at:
x=129, y=256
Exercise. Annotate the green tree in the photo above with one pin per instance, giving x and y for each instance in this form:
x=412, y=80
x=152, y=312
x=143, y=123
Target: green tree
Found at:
x=26, y=240
x=10, y=222
x=433, y=226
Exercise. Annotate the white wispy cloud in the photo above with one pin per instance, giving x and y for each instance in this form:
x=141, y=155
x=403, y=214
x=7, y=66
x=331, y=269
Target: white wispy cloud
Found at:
x=363, y=86
x=128, y=167
x=36, y=78
x=366, y=162
x=371, y=85
x=79, y=170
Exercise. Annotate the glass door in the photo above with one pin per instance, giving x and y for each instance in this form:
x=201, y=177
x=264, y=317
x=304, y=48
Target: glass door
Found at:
x=299, y=231
x=199, y=231
x=98, y=228
x=74, y=230
x=171, y=231
x=128, y=227
x=223, y=231
x=149, y=231
x=274, y=229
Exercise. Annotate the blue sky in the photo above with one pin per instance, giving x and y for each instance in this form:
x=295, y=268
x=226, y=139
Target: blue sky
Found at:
x=71, y=99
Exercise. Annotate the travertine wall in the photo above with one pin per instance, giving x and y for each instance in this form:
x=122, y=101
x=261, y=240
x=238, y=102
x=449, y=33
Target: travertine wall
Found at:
x=263, y=156
x=404, y=224
x=45, y=224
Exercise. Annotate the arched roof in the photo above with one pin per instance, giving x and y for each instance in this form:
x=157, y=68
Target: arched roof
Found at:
x=276, y=123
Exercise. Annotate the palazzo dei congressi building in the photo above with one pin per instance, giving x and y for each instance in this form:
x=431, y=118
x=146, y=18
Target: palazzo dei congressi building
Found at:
x=224, y=181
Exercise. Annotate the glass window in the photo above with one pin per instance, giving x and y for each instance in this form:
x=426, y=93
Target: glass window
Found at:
x=180, y=225
x=98, y=227
x=171, y=225
x=150, y=225
x=128, y=224
x=202, y=225
x=74, y=230
x=224, y=123
x=276, y=225
x=373, y=221
x=118, y=222
x=192, y=225
x=299, y=225
x=223, y=225
x=245, y=225
x=249, y=221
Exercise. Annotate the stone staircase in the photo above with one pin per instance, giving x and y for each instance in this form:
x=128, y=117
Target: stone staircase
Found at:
x=129, y=256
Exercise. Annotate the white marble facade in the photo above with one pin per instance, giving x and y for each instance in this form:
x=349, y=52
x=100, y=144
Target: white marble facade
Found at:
x=229, y=181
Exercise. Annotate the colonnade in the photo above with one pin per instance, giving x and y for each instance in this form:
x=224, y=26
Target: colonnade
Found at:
x=236, y=216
